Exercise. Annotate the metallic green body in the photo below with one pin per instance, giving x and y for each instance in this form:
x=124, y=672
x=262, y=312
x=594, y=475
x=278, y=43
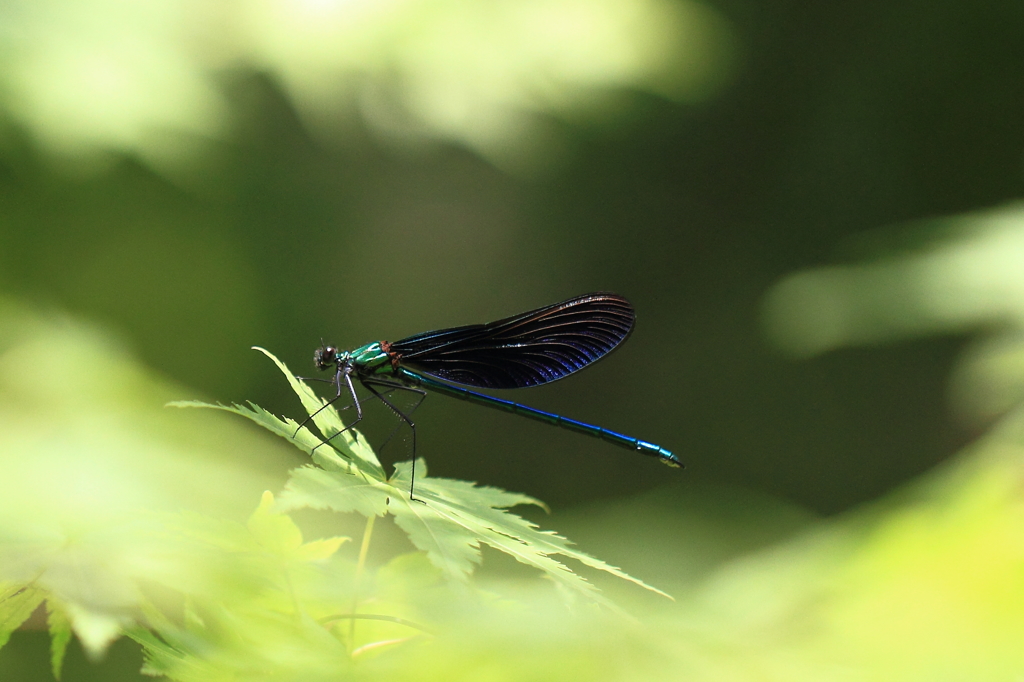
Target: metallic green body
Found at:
x=369, y=359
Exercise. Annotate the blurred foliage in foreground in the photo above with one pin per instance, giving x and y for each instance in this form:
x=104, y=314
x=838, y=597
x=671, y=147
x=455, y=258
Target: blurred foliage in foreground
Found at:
x=127, y=524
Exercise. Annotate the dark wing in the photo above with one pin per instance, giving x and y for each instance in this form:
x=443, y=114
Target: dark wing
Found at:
x=525, y=350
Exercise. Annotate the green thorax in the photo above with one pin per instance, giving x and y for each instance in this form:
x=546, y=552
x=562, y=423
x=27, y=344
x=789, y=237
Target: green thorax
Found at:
x=370, y=359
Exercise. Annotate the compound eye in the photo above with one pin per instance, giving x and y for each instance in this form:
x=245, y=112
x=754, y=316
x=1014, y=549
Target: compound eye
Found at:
x=324, y=357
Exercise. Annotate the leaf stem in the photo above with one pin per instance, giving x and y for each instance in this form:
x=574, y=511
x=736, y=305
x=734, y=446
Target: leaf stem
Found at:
x=374, y=616
x=360, y=565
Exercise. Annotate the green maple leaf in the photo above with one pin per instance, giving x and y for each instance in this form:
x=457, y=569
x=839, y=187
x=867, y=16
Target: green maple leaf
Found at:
x=17, y=602
x=449, y=519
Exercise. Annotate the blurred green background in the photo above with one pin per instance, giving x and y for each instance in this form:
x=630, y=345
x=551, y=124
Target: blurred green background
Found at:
x=203, y=177
x=194, y=178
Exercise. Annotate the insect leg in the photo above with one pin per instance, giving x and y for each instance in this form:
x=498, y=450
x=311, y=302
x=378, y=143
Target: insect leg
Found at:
x=337, y=383
x=355, y=401
x=369, y=384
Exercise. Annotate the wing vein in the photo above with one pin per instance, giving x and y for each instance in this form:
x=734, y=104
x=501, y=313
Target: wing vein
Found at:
x=535, y=347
